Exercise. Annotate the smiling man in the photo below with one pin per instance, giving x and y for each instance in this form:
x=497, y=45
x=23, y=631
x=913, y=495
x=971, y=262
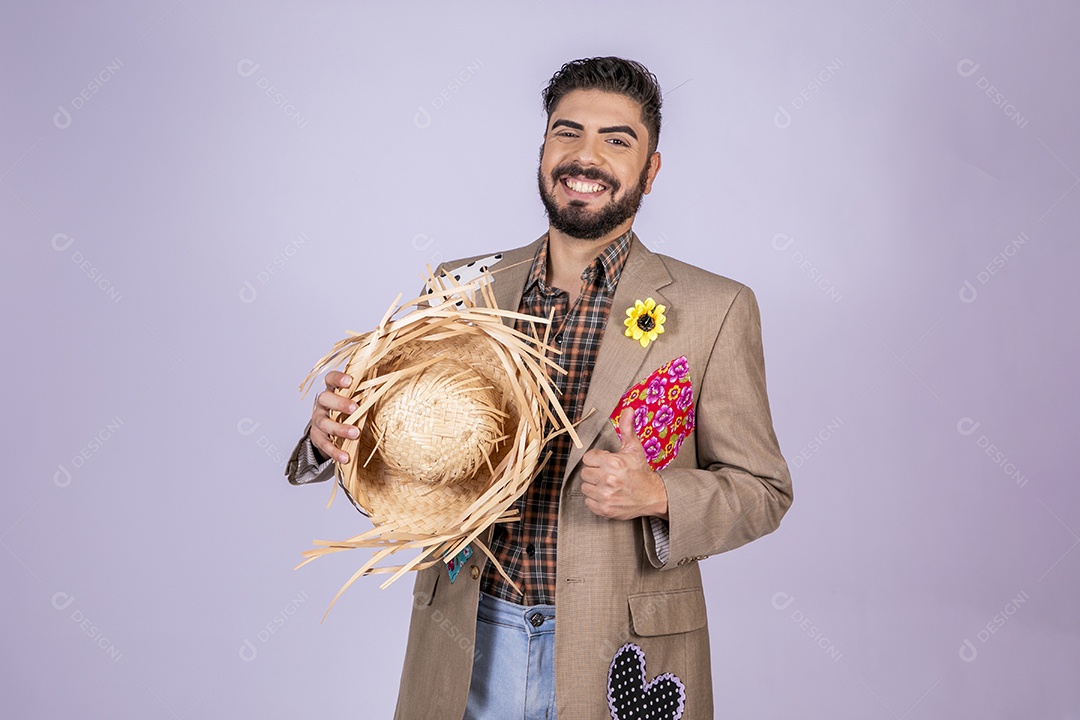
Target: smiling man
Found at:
x=610, y=621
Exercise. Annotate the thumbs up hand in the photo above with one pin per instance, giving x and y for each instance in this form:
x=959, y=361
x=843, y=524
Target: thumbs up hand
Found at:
x=622, y=485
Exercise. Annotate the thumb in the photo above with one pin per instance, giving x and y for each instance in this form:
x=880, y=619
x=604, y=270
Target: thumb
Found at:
x=630, y=441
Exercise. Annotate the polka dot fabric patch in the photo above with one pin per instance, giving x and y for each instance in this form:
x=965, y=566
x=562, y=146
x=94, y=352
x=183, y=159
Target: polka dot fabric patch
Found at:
x=467, y=273
x=631, y=698
x=663, y=405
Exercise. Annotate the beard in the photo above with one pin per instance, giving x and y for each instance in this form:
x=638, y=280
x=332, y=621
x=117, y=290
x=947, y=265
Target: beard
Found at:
x=576, y=219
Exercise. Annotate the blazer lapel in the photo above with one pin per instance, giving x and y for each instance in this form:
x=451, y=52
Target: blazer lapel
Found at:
x=509, y=275
x=620, y=359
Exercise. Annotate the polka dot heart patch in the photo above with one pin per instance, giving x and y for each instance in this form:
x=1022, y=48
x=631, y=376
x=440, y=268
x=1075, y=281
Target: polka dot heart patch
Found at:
x=631, y=698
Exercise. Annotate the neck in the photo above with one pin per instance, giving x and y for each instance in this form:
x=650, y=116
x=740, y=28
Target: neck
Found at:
x=569, y=256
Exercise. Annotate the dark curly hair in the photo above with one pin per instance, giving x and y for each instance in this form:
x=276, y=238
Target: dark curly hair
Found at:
x=610, y=74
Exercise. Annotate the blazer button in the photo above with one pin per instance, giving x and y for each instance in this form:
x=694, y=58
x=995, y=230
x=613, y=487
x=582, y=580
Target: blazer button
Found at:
x=474, y=572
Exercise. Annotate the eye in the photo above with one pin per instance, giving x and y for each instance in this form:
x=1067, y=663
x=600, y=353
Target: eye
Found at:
x=619, y=141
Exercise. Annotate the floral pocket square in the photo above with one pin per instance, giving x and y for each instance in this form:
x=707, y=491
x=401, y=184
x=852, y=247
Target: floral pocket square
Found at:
x=663, y=406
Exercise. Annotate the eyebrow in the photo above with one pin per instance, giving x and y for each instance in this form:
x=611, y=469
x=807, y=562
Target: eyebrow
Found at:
x=620, y=129
x=567, y=123
x=613, y=129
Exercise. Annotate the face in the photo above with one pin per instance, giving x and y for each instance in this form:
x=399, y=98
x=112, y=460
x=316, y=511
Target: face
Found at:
x=595, y=164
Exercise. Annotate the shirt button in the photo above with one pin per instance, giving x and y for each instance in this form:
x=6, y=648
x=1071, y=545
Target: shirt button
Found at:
x=474, y=572
x=558, y=339
x=530, y=550
x=536, y=619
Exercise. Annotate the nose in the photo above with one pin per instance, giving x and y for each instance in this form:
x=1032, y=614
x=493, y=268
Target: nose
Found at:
x=589, y=150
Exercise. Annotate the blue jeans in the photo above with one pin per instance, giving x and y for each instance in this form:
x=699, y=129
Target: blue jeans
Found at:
x=513, y=674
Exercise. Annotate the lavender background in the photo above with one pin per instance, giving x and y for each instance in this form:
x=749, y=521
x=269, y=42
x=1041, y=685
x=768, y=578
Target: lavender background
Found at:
x=198, y=200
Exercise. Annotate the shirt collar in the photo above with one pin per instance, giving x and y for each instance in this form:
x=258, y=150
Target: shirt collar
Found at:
x=611, y=261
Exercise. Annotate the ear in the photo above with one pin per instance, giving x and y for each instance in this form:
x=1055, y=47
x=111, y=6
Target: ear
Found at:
x=654, y=168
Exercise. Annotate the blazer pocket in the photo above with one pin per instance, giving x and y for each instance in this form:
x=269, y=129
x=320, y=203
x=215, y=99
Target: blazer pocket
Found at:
x=667, y=612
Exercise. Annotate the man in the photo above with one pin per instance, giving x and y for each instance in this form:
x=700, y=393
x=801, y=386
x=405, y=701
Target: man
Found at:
x=606, y=552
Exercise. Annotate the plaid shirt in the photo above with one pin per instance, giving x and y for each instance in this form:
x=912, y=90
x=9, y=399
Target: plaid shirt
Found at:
x=526, y=548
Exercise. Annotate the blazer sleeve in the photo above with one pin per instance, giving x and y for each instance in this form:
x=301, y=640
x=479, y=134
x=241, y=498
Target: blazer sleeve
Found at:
x=305, y=466
x=742, y=486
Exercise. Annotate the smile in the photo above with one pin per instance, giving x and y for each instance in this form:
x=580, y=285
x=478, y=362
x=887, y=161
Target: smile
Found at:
x=583, y=187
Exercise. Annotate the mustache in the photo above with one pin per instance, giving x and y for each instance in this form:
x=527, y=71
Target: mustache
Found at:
x=572, y=168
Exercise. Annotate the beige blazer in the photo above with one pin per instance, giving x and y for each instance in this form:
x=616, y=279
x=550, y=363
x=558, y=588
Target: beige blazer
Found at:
x=728, y=486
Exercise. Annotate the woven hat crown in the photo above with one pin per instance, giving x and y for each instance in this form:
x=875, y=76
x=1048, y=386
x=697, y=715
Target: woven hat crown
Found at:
x=442, y=426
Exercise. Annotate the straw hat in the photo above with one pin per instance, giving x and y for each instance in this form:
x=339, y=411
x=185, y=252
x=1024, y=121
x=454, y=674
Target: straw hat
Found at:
x=452, y=404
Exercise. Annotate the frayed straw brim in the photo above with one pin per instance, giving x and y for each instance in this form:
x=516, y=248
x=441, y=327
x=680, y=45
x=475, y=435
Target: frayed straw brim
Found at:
x=452, y=403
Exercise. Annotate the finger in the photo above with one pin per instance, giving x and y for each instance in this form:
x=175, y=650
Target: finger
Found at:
x=593, y=457
x=601, y=472
x=323, y=429
x=626, y=430
x=335, y=380
x=599, y=509
x=598, y=491
x=322, y=441
x=328, y=400
x=335, y=429
x=591, y=477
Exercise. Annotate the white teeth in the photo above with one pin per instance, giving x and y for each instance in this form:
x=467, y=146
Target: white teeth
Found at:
x=583, y=187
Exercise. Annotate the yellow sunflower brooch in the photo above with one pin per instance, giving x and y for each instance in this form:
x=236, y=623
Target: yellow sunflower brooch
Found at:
x=645, y=321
